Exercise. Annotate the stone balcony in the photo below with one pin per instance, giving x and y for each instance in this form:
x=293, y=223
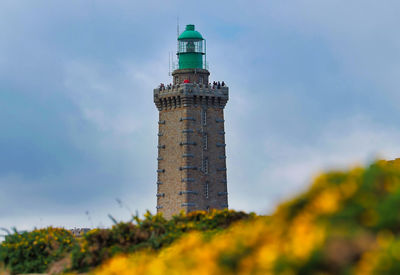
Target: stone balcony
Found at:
x=191, y=88
x=187, y=93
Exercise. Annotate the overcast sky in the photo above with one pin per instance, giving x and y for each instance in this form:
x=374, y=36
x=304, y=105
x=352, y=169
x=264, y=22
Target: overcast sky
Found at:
x=314, y=85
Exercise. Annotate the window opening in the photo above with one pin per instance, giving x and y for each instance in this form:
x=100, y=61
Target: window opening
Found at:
x=206, y=189
x=204, y=117
x=205, y=165
x=205, y=141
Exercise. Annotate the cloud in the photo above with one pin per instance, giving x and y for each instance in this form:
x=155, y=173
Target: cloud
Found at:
x=281, y=169
x=313, y=85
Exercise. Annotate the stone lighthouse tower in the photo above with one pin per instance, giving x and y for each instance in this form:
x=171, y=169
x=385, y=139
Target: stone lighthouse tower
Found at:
x=191, y=172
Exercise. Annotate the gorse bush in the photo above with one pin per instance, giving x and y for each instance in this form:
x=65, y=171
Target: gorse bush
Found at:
x=30, y=252
x=347, y=223
x=36, y=251
x=153, y=232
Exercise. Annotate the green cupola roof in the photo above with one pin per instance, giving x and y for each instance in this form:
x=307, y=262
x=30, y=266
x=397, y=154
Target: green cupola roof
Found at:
x=190, y=34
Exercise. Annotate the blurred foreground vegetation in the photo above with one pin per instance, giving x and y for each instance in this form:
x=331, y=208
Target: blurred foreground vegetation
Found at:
x=56, y=250
x=346, y=223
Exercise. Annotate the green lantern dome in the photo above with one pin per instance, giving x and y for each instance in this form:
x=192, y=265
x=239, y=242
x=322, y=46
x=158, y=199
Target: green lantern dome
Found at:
x=190, y=33
x=191, y=49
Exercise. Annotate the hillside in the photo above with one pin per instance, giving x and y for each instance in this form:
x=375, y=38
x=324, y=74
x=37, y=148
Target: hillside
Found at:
x=56, y=249
x=346, y=223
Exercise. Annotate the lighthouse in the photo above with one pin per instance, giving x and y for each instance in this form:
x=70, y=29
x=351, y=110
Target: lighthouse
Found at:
x=191, y=172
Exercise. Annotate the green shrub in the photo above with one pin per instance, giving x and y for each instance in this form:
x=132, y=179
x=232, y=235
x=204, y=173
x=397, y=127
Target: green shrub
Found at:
x=347, y=222
x=151, y=232
x=33, y=252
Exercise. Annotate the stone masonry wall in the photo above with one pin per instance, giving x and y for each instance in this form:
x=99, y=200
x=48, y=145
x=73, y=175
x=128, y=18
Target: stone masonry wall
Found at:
x=191, y=171
x=169, y=160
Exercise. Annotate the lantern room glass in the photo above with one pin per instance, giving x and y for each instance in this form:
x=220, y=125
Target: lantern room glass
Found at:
x=191, y=46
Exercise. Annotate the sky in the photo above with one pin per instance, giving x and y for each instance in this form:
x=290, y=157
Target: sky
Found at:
x=313, y=87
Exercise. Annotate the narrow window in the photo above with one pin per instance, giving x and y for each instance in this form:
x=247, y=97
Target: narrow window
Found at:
x=205, y=141
x=204, y=117
x=206, y=189
x=205, y=165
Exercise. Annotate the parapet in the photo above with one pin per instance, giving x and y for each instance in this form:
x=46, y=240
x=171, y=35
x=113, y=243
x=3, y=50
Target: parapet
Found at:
x=190, y=94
